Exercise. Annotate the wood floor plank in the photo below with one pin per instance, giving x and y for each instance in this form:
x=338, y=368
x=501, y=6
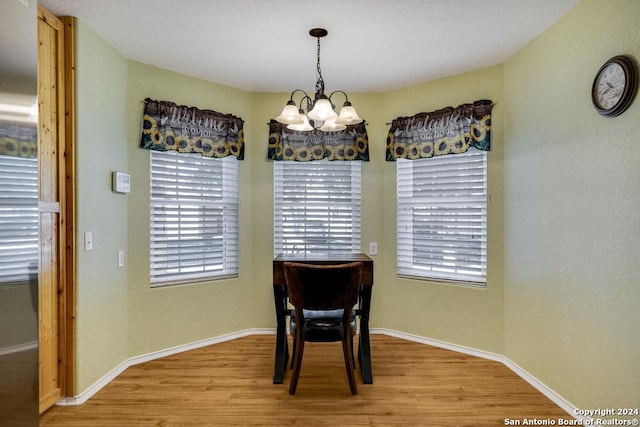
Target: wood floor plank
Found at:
x=230, y=384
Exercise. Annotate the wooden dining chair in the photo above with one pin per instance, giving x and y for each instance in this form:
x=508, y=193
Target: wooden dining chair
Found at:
x=323, y=297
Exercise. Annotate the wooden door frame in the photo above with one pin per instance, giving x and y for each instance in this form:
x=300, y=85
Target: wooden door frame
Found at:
x=66, y=188
x=69, y=208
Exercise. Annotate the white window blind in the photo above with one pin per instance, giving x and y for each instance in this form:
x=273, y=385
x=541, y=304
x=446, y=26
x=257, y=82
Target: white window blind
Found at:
x=442, y=217
x=18, y=219
x=317, y=206
x=194, y=218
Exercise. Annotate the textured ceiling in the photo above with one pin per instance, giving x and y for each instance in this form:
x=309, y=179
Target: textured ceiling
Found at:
x=264, y=46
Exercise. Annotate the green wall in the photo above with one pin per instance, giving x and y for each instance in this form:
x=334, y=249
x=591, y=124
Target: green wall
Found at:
x=561, y=297
x=102, y=324
x=572, y=212
x=165, y=317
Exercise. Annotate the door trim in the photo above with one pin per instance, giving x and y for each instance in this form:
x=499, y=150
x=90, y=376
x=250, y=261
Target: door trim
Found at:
x=69, y=206
x=65, y=159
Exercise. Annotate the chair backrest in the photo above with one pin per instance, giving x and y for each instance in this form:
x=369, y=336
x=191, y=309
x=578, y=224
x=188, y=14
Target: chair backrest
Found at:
x=322, y=287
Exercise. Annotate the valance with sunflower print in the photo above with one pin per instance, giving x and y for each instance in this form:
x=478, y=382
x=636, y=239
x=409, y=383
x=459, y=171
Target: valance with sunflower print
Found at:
x=167, y=126
x=446, y=131
x=18, y=139
x=349, y=144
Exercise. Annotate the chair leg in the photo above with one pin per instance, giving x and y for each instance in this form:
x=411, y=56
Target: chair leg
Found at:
x=293, y=355
x=298, y=350
x=353, y=359
x=348, y=358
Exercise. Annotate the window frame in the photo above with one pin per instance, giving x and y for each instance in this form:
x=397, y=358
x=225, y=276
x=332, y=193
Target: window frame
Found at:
x=468, y=228
x=346, y=206
x=201, y=187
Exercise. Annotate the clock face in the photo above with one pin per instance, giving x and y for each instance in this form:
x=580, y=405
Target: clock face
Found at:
x=615, y=86
x=610, y=85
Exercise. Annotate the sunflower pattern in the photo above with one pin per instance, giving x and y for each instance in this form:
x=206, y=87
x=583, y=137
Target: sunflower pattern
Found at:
x=446, y=131
x=206, y=132
x=336, y=152
x=18, y=140
x=481, y=130
x=148, y=124
x=413, y=151
x=350, y=144
x=184, y=144
x=391, y=144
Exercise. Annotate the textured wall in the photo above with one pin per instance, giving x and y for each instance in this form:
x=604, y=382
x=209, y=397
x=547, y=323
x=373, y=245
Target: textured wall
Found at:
x=101, y=147
x=572, y=212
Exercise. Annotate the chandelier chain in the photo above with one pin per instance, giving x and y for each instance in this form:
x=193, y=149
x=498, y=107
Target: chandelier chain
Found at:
x=320, y=79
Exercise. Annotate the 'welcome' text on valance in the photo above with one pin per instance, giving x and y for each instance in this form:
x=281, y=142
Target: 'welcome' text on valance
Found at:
x=167, y=126
x=446, y=131
x=349, y=144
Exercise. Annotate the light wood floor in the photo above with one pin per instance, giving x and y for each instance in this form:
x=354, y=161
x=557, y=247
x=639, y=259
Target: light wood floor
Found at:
x=231, y=384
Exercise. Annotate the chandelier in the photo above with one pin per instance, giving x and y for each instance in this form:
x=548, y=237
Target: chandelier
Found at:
x=319, y=110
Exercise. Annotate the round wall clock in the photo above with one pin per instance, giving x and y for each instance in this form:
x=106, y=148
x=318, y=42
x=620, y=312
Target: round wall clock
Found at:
x=614, y=86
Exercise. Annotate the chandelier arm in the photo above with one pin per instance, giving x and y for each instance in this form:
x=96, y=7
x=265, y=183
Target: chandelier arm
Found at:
x=307, y=98
x=346, y=98
x=294, y=92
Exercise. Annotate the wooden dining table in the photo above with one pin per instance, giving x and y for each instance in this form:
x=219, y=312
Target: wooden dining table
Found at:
x=362, y=310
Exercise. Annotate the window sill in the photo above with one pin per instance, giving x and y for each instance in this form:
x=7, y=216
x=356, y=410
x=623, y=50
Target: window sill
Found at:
x=442, y=281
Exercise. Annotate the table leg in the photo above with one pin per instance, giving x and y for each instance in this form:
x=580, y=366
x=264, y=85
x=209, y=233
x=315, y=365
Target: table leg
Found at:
x=282, y=345
x=364, y=346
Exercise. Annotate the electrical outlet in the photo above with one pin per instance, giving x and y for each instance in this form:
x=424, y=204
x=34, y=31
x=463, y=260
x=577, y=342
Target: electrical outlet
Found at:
x=373, y=248
x=120, y=258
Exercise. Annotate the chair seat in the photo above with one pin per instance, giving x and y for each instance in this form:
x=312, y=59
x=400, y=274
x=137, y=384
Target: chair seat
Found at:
x=322, y=325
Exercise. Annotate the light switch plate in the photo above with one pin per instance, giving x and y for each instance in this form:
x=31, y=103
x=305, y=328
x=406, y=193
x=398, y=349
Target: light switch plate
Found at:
x=88, y=241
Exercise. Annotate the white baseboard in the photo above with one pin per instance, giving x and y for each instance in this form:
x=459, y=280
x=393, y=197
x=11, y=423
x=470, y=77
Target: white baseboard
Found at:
x=453, y=347
x=98, y=385
x=533, y=381
x=538, y=385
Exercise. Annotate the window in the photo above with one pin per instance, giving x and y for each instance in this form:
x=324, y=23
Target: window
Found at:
x=442, y=217
x=317, y=206
x=18, y=219
x=194, y=218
